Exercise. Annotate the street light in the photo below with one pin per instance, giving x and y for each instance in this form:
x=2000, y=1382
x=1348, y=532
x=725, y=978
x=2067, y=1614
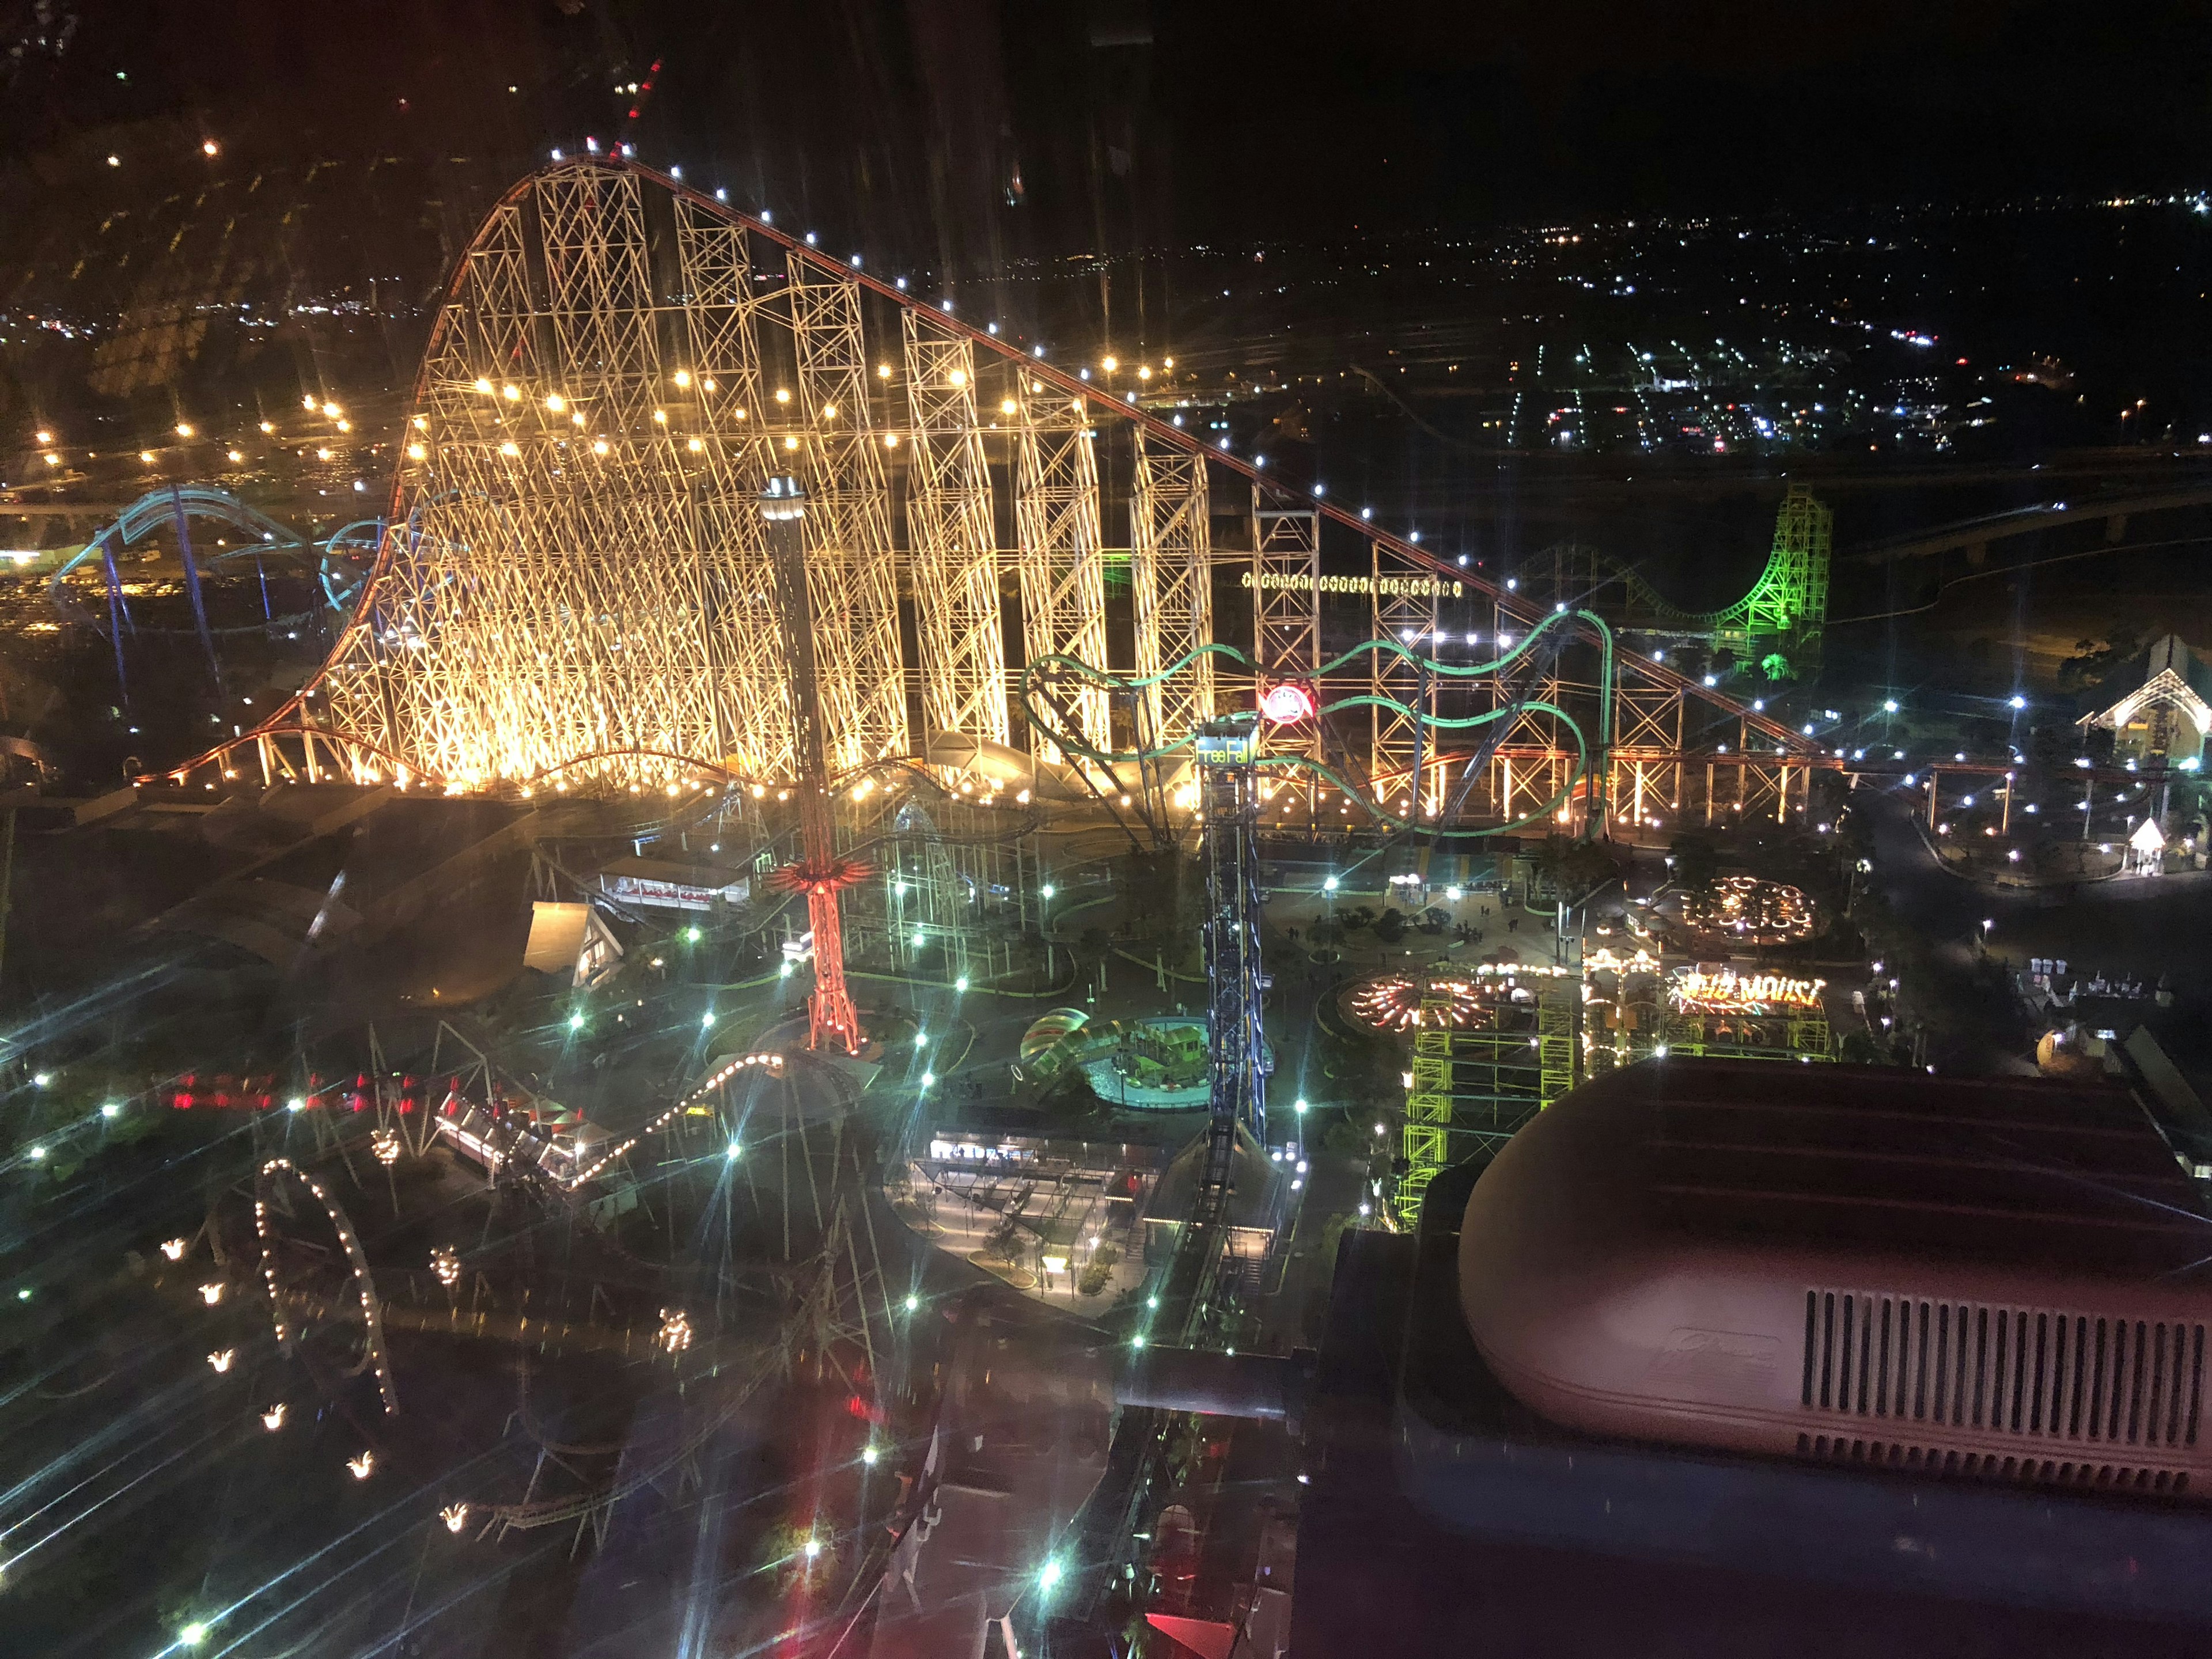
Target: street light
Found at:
x=1328, y=884
x=1301, y=1109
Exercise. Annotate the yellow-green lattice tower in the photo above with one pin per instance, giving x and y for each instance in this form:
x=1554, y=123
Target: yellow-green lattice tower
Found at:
x=1428, y=1106
x=1555, y=1042
x=1789, y=608
x=1481, y=1082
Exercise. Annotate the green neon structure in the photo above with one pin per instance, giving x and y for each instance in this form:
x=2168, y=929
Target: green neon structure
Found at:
x=1782, y=618
x=1590, y=758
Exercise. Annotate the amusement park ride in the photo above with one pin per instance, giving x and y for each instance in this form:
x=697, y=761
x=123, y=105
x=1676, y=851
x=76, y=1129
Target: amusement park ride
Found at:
x=578, y=592
x=574, y=589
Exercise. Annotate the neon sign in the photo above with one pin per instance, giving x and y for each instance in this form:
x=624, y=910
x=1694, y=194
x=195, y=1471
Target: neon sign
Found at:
x=1729, y=992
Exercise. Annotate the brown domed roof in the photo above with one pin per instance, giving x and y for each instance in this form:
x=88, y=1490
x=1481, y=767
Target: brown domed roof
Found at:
x=1787, y=1258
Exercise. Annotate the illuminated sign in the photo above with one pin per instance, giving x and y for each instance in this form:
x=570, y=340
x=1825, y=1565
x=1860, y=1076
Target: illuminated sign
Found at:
x=1414, y=587
x=1729, y=993
x=1286, y=702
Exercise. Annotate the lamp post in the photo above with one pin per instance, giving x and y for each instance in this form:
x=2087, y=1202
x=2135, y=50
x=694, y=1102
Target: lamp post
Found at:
x=819, y=872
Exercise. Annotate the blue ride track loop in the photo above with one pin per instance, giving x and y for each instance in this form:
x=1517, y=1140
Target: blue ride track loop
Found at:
x=1589, y=765
x=340, y=555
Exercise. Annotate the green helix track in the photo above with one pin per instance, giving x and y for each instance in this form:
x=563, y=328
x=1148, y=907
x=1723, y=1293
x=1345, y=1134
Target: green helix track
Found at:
x=1787, y=604
x=1058, y=667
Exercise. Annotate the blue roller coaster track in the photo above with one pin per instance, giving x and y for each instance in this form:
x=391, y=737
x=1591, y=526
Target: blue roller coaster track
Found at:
x=341, y=559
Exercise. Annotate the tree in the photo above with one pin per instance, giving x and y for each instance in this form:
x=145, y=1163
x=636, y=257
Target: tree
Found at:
x=1571, y=868
x=2094, y=658
x=1005, y=1242
x=1390, y=926
x=1696, y=862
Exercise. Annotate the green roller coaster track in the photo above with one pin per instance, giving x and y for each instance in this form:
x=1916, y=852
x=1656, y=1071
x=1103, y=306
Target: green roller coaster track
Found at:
x=1782, y=615
x=1588, y=763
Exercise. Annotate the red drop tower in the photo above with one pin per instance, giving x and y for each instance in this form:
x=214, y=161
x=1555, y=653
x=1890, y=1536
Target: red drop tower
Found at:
x=820, y=873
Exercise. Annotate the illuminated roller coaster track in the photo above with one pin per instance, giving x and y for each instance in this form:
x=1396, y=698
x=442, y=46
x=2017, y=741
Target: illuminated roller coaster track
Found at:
x=1131, y=687
x=374, y=1356
x=340, y=558
x=572, y=580
x=1787, y=605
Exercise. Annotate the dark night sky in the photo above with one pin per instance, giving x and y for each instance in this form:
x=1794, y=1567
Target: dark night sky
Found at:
x=907, y=119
